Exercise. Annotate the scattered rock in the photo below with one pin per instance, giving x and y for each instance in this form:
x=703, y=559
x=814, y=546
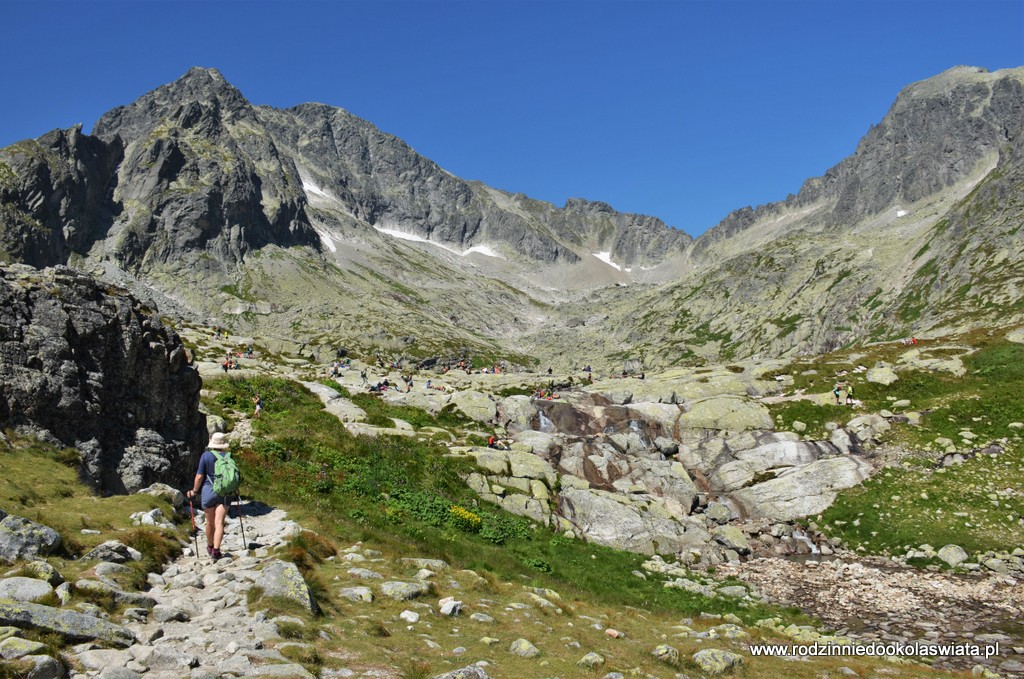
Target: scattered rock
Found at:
x=13, y=648
x=165, y=492
x=470, y=672
x=449, y=606
x=24, y=589
x=74, y=626
x=283, y=579
x=403, y=591
x=666, y=654
x=715, y=661
x=591, y=660
x=523, y=649
x=42, y=571
x=24, y=539
x=114, y=552
x=882, y=373
x=954, y=555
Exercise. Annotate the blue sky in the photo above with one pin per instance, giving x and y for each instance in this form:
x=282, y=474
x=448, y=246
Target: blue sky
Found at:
x=684, y=110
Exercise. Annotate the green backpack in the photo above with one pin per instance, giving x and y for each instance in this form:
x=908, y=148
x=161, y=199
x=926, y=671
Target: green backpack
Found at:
x=226, y=477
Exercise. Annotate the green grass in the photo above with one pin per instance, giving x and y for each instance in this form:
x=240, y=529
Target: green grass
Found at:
x=813, y=415
x=379, y=412
x=906, y=507
x=918, y=501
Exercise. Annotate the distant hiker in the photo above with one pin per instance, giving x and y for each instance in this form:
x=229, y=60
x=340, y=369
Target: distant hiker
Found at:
x=835, y=392
x=226, y=365
x=214, y=506
x=849, y=394
x=257, y=401
x=362, y=375
x=549, y=371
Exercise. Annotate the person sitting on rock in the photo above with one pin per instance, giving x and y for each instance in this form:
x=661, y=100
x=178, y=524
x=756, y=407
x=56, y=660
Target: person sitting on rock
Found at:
x=214, y=506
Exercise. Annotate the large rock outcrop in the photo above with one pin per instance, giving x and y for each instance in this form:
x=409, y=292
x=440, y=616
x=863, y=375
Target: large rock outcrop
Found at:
x=86, y=366
x=644, y=478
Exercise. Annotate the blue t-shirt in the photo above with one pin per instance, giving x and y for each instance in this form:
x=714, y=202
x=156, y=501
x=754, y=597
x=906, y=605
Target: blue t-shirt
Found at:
x=206, y=467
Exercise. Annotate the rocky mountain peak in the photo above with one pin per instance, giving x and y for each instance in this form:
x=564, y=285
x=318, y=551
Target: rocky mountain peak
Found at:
x=200, y=93
x=939, y=132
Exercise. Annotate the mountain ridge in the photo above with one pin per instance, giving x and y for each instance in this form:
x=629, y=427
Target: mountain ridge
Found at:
x=284, y=220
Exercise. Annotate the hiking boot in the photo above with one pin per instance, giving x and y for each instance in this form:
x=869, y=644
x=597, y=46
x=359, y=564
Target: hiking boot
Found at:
x=209, y=550
x=216, y=554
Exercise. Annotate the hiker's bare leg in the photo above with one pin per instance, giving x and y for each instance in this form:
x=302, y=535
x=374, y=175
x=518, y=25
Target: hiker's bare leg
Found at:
x=211, y=516
x=220, y=513
x=215, y=525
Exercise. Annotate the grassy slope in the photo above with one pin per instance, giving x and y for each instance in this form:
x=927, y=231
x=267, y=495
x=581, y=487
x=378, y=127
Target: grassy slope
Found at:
x=978, y=505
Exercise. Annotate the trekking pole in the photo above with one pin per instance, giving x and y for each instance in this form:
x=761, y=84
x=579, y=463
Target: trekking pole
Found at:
x=245, y=544
x=195, y=531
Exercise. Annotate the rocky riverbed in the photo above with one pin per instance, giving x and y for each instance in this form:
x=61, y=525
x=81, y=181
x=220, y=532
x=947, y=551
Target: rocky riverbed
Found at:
x=873, y=599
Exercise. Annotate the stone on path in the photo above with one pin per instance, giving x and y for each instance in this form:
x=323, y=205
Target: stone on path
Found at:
x=590, y=660
x=75, y=626
x=135, y=599
x=283, y=579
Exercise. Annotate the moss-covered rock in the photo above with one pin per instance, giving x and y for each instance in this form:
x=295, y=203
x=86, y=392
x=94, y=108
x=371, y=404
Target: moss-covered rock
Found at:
x=74, y=626
x=24, y=539
x=715, y=661
x=283, y=579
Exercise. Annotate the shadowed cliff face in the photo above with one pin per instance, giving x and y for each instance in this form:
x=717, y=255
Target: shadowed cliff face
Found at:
x=83, y=367
x=55, y=196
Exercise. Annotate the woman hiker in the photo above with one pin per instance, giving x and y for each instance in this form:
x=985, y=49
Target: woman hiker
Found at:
x=214, y=506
